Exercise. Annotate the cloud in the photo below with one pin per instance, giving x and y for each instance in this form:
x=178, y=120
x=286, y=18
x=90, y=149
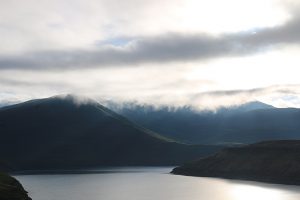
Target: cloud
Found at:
x=144, y=86
x=277, y=95
x=155, y=52
x=165, y=48
x=26, y=84
x=33, y=25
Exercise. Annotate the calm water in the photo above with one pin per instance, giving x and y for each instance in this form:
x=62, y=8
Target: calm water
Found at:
x=149, y=184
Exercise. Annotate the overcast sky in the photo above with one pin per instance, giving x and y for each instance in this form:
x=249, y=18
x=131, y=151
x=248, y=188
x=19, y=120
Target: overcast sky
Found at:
x=205, y=53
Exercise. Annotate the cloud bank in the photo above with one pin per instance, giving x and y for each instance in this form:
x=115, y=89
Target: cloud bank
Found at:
x=160, y=49
x=196, y=52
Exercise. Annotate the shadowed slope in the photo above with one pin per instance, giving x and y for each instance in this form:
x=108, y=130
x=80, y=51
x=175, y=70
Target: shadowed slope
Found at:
x=271, y=161
x=247, y=123
x=59, y=133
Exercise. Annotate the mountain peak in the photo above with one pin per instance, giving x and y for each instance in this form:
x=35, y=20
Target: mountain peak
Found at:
x=53, y=133
x=245, y=107
x=75, y=99
x=254, y=105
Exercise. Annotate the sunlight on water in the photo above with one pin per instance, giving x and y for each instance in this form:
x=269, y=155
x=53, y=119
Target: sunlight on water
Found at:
x=246, y=192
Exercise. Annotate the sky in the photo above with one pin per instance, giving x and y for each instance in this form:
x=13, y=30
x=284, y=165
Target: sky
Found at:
x=202, y=53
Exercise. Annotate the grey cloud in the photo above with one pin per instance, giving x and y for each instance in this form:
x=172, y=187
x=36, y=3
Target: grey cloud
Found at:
x=228, y=97
x=170, y=47
x=6, y=82
x=165, y=48
x=220, y=98
x=233, y=92
x=281, y=89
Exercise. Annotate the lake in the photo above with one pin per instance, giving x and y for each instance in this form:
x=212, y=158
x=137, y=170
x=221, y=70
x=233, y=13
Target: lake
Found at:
x=148, y=183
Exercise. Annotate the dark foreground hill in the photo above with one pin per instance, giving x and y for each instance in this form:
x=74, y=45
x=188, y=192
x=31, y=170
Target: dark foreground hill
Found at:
x=11, y=189
x=247, y=123
x=272, y=161
x=59, y=133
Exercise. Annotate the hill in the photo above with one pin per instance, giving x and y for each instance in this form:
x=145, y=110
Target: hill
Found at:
x=271, y=161
x=62, y=133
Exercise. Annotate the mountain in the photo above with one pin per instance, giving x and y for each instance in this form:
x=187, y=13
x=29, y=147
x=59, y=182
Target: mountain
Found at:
x=247, y=123
x=270, y=161
x=6, y=103
x=249, y=106
x=11, y=189
x=63, y=133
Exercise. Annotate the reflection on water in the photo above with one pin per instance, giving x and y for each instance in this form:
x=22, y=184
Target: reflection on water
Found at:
x=148, y=184
x=249, y=192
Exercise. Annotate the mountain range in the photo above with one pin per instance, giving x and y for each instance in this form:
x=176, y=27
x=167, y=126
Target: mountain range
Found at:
x=246, y=123
x=60, y=133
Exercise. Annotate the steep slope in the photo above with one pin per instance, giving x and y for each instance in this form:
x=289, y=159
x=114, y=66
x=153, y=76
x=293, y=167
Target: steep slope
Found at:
x=58, y=133
x=271, y=161
x=247, y=123
x=11, y=189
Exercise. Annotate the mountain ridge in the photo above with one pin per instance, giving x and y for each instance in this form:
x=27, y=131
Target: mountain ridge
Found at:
x=242, y=124
x=54, y=133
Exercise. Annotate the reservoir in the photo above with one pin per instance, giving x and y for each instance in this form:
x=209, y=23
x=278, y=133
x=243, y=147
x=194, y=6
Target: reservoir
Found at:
x=147, y=183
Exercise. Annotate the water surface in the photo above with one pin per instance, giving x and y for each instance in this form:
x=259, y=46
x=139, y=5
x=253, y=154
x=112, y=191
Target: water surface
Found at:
x=148, y=183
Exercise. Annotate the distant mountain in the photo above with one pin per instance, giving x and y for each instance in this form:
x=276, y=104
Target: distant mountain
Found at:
x=247, y=123
x=249, y=106
x=60, y=133
x=272, y=161
x=5, y=103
